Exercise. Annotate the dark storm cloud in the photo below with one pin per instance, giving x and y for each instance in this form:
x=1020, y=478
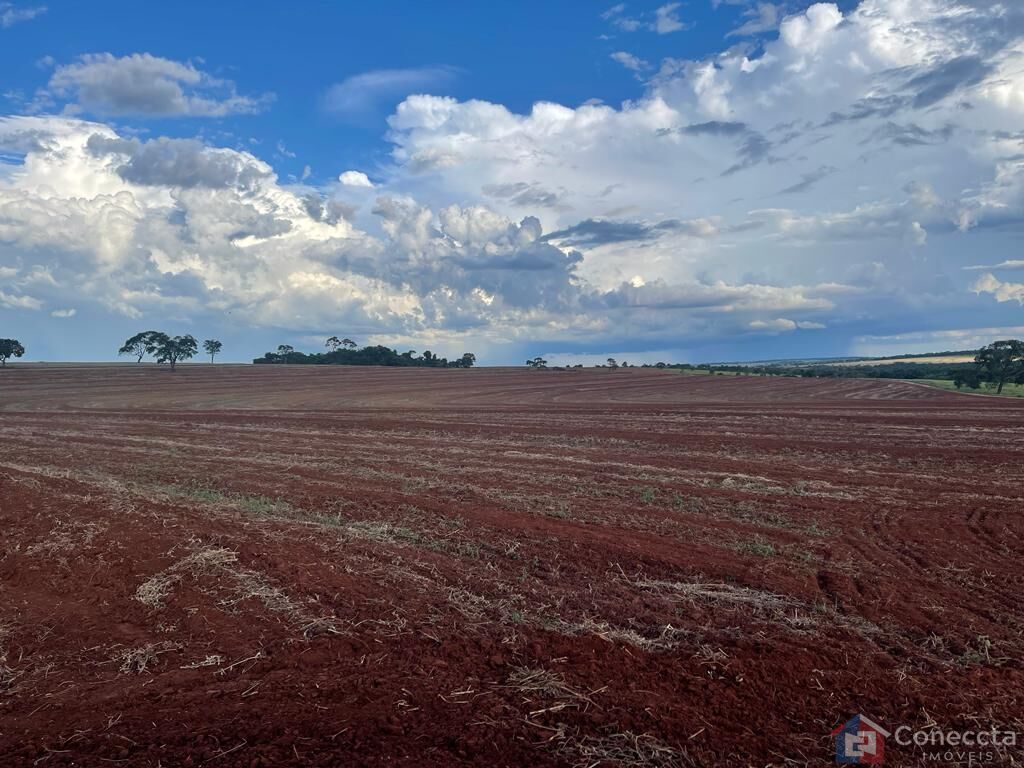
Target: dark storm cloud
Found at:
x=872, y=106
x=939, y=82
x=593, y=232
x=715, y=128
x=179, y=163
x=809, y=180
x=526, y=195
x=915, y=88
x=909, y=135
x=753, y=148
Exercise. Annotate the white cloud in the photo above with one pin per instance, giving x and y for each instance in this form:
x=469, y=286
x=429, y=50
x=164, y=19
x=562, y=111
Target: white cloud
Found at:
x=154, y=228
x=839, y=178
x=764, y=17
x=355, y=179
x=141, y=84
x=178, y=163
x=19, y=302
x=11, y=14
x=613, y=11
x=778, y=325
x=666, y=19
x=629, y=61
x=359, y=95
x=1008, y=264
x=64, y=313
x=989, y=283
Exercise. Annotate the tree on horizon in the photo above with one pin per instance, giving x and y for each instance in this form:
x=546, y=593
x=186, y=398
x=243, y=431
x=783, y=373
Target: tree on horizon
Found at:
x=140, y=345
x=213, y=348
x=10, y=348
x=174, y=349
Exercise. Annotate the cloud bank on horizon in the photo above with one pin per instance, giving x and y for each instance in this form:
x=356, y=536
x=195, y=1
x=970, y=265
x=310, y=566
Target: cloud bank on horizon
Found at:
x=830, y=181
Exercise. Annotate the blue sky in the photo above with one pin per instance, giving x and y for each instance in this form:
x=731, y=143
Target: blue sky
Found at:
x=689, y=181
x=514, y=54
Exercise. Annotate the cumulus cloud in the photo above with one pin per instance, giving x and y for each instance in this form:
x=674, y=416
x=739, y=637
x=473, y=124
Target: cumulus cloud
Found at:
x=1001, y=291
x=355, y=179
x=173, y=227
x=179, y=163
x=145, y=85
x=64, y=313
x=838, y=178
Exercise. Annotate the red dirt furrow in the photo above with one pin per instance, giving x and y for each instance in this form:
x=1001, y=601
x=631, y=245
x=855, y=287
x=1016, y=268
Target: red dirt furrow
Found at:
x=243, y=566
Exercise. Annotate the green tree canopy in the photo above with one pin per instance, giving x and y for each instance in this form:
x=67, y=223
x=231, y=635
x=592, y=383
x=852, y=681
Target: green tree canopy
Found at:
x=140, y=345
x=174, y=350
x=372, y=355
x=1002, y=362
x=10, y=348
x=212, y=347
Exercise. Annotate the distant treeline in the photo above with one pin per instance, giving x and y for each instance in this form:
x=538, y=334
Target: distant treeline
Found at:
x=998, y=364
x=375, y=355
x=953, y=353
x=948, y=371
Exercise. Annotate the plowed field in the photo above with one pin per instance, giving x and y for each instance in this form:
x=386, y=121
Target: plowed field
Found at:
x=298, y=566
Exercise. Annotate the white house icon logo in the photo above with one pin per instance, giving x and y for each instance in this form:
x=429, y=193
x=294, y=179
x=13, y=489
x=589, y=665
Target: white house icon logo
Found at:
x=860, y=741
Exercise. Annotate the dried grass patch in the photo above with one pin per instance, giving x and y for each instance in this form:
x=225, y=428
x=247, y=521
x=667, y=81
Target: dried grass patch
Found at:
x=240, y=583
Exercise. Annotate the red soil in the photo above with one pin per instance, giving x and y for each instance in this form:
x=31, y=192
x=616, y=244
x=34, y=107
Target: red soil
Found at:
x=243, y=566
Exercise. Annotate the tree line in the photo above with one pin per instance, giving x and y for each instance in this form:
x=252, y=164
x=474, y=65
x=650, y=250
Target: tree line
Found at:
x=167, y=349
x=998, y=364
x=347, y=352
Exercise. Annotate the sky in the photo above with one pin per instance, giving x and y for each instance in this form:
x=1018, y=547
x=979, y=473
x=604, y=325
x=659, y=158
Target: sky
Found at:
x=689, y=181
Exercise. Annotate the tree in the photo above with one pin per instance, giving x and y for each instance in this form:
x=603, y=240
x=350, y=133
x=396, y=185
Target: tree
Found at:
x=140, y=345
x=173, y=350
x=1001, y=362
x=537, y=362
x=611, y=363
x=967, y=378
x=334, y=343
x=10, y=348
x=373, y=355
x=212, y=347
